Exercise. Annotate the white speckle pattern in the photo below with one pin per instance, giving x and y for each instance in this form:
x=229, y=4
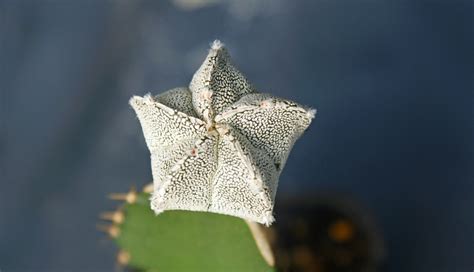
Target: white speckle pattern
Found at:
x=217, y=83
x=219, y=146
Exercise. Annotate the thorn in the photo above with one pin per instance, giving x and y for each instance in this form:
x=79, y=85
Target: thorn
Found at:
x=117, y=216
x=262, y=242
x=148, y=188
x=112, y=230
x=123, y=258
x=129, y=197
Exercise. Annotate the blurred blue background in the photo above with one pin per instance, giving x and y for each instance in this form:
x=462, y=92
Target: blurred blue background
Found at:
x=393, y=82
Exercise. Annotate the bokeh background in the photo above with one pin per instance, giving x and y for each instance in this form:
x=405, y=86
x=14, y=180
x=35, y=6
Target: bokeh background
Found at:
x=393, y=82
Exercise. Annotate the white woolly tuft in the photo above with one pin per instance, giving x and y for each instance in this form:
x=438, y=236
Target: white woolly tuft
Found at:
x=158, y=211
x=153, y=204
x=312, y=113
x=137, y=100
x=216, y=45
x=148, y=98
x=268, y=219
x=134, y=100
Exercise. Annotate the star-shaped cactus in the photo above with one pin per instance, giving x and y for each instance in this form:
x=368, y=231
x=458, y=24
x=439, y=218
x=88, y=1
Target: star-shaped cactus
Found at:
x=219, y=146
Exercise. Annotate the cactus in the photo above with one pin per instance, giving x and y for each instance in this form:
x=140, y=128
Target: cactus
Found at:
x=184, y=240
x=326, y=234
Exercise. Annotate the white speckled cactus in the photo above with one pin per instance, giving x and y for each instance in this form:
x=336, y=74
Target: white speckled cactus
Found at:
x=219, y=146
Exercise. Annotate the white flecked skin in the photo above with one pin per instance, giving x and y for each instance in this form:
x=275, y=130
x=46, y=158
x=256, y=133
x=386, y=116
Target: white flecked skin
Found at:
x=219, y=146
